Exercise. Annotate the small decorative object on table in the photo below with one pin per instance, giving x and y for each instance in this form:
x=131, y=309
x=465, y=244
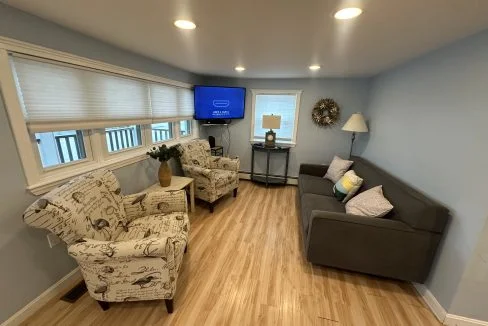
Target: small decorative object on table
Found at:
x=163, y=154
x=326, y=112
x=271, y=122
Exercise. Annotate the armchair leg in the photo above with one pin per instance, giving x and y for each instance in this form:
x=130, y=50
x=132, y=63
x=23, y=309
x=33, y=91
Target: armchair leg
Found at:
x=104, y=305
x=186, y=249
x=235, y=192
x=169, y=305
x=211, y=207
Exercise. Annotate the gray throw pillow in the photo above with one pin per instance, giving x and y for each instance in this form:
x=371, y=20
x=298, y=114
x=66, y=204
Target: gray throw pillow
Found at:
x=370, y=203
x=337, y=169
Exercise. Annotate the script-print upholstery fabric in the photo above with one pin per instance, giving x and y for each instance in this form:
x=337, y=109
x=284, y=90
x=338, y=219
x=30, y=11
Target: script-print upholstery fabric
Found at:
x=89, y=206
x=141, y=261
x=214, y=176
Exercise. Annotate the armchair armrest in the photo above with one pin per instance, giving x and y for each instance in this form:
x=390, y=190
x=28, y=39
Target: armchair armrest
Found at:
x=197, y=172
x=90, y=250
x=155, y=202
x=224, y=163
x=313, y=169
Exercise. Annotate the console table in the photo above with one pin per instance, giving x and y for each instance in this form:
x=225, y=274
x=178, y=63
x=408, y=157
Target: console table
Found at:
x=266, y=177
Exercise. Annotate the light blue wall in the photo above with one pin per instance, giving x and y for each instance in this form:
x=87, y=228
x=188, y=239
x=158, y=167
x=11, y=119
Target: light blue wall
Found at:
x=27, y=265
x=428, y=127
x=314, y=144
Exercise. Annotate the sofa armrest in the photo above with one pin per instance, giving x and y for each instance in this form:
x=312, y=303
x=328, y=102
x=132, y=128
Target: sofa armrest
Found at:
x=155, y=202
x=376, y=246
x=89, y=250
x=224, y=163
x=313, y=169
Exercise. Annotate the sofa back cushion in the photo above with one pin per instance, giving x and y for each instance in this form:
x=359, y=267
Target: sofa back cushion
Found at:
x=195, y=152
x=89, y=206
x=410, y=206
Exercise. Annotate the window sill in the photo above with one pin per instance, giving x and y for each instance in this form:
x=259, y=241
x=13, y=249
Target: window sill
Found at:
x=50, y=182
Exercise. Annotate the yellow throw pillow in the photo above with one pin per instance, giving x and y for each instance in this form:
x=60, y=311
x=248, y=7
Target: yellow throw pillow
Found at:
x=347, y=186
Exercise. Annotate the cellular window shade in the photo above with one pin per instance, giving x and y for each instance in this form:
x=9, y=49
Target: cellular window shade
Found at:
x=186, y=107
x=164, y=101
x=282, y=105
x=61, y=97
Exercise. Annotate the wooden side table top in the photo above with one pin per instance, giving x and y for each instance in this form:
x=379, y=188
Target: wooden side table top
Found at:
x=177, y=183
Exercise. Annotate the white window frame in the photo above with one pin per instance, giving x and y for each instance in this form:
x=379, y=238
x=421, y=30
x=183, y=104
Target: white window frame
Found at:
x=297, y=93
x=148, y=133
x=40, y=180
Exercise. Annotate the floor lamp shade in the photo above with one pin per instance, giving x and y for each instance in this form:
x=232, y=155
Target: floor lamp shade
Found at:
x=355, y=124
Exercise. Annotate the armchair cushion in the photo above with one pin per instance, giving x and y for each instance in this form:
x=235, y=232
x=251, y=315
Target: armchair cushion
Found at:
x=195, y=152
x=224, y=163
x=89, y=206
x=156, y=202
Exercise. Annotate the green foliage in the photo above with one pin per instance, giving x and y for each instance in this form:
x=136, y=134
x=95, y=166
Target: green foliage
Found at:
x=164, y=153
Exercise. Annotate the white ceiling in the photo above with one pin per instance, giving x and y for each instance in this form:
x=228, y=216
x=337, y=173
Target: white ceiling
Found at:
x=271, y=38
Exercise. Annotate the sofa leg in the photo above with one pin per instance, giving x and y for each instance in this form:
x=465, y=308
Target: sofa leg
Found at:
x=169, y=305
x=235, y=192
x=211, y=207
x=104, y=305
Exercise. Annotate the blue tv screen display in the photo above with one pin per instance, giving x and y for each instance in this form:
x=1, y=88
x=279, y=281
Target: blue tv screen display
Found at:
x=212, y=102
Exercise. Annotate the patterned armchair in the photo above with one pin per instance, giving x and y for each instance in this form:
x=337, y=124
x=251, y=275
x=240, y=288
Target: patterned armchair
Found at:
x=214, y=176
x=129, y=248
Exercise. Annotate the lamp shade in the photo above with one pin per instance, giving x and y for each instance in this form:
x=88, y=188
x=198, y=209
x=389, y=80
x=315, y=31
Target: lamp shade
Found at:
x=271, y=121
x=356, y=123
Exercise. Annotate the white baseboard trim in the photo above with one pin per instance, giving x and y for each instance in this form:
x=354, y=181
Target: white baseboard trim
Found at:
x=454, y=320
x=55, y=290
x=431, y=301
x=247, y=176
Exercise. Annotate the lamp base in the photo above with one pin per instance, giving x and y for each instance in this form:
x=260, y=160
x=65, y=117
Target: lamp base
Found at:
x=270, y=139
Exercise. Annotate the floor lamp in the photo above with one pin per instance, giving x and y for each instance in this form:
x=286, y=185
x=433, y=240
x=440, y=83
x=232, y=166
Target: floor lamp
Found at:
x=355, y=124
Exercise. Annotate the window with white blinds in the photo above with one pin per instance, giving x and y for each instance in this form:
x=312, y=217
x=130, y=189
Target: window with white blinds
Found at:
x=60, y=97
x=276, y=102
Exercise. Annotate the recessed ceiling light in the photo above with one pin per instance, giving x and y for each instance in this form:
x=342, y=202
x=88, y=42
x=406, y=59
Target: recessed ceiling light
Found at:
x=239, y=68
x=185, y=24
x=314, y=67
x=348, y=13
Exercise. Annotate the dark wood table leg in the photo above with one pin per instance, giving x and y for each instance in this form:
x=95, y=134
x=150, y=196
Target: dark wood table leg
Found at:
x=286, y=166
x=267, y=166
x=252, y=163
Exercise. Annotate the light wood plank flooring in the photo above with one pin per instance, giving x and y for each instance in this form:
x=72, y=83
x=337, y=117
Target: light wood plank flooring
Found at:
x=245, y=266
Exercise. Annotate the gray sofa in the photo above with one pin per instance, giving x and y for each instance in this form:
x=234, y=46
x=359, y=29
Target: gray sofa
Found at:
x=401, y=245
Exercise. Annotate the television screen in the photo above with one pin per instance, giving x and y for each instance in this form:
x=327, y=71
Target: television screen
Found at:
x=212, y=102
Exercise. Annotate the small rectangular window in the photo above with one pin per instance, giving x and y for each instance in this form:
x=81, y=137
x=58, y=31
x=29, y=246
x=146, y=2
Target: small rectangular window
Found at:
x=124, y=137
x=161, y=131
x=185, y=128
x=60, y=147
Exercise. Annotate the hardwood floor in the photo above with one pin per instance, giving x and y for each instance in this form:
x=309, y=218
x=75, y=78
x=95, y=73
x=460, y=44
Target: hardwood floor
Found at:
x=245, y=266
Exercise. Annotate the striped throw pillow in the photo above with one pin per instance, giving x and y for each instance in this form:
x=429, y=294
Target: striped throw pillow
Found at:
x=347, y=186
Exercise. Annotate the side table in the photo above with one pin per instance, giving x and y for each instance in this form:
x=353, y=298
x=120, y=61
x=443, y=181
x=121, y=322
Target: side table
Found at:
x=178, y=183
x=266, y=177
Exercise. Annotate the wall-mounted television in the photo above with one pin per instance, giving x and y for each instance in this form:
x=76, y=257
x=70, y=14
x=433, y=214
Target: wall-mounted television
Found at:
x=219, y=103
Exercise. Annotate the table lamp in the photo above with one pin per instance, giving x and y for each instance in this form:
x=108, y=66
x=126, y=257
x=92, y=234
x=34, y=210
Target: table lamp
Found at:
x=271, y=122
x=355, y=124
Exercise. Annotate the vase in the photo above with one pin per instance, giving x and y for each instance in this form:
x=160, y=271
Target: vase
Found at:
x=164, y=174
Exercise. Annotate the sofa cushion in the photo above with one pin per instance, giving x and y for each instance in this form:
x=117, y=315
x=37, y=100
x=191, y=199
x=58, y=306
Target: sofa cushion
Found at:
x=370, y=203
x=309, y=184
x=337, y=168
x=411, y=206
x=311, y=202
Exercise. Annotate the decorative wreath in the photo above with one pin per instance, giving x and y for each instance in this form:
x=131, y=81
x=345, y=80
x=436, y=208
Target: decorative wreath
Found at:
x=326, y=112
